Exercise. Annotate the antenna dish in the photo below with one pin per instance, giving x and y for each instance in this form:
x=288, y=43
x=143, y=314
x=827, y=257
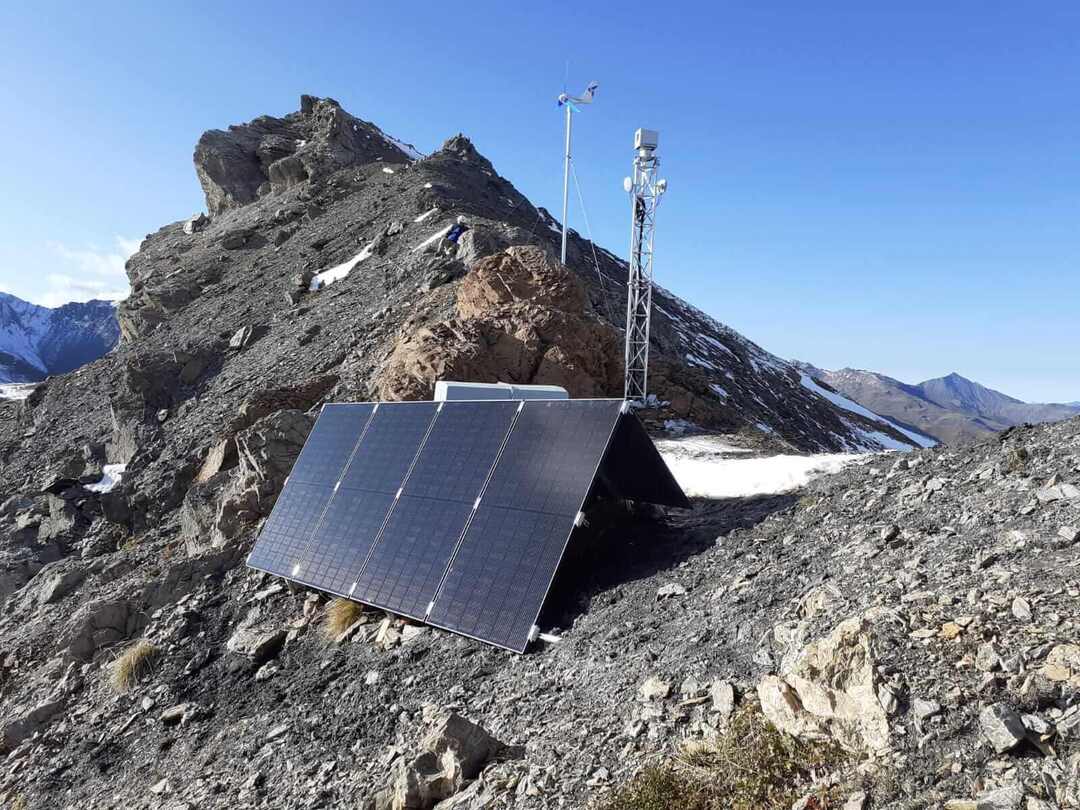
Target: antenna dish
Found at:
x=628, y=185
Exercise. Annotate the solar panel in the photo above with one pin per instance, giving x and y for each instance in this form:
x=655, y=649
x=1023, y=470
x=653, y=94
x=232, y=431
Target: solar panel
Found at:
x=343, y=539
x=552, y=455
x=499, y=578
x=454, y=513
x=388, y=446
x=286, y=536
x=364, y=495
x=330, y=443
x=461, y=450
x=410, y=557
x=497, y=581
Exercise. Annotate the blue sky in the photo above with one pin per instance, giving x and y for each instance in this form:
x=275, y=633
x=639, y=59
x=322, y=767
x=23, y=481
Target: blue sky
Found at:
x=886, y=186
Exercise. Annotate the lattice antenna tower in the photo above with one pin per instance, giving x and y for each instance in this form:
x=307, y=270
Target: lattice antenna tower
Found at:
x=645, y=190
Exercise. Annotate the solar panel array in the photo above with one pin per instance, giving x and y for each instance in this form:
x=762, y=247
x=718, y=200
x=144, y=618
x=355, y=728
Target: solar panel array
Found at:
x=452, y=513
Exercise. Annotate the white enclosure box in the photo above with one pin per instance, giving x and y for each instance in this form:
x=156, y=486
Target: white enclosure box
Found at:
x=449, y=391
x=646, y=139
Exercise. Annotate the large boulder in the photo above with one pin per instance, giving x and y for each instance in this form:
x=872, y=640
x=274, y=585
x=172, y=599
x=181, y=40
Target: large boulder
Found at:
x=95, y=625
x=521, y=317
x=453, y=753
x=829, y=690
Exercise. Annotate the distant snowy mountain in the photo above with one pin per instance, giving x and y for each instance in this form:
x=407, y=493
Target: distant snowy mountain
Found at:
x=951, y=409
x=36, y=341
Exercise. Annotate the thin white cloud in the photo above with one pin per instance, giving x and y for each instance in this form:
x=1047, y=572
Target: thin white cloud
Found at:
x=87, y=273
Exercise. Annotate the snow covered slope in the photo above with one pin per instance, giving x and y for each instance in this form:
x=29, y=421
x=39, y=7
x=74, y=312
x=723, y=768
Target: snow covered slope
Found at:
x=848, y=405
x=37, y=341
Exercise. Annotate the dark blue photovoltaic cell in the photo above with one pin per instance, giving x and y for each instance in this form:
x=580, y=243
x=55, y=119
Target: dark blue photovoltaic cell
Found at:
x=499, y=578
x=552, y=455
x=411, y=556
x=343, y=539
x=330, y=443
x=388, y=446
x=501, y=575
x=286, y=532
x=358, y=509
x=458, y=454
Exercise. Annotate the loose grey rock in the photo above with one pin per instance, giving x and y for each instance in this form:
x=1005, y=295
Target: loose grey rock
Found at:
x=1021, y=609
x=669, y=590
x=196, y=223
x=654, y=689
x=1002, y=727
x=257, y=644
x=925, y=709
x=987, y=658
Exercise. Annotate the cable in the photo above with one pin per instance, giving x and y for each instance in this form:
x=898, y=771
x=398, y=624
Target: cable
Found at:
x=592, y=245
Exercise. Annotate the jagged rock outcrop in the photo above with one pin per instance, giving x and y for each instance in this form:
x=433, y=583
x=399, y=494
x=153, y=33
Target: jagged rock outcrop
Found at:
x=219, y=509
x=269, y=155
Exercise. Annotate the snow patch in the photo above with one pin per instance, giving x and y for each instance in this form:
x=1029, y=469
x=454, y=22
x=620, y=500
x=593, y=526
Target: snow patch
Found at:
x=878, y=439
x=719, y=391
x=433, y=238
x=387, y=170
x=694, y=360
x=337, y=273
x=17, y=390
x=112, y=474
x=427, y=214
x=407, y=148
x=702, y=472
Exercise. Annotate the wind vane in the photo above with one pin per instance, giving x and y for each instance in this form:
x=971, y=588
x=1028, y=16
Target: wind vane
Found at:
x=571, y=102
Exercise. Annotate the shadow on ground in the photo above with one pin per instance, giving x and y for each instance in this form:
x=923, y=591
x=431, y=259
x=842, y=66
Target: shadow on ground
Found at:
x=621, y=547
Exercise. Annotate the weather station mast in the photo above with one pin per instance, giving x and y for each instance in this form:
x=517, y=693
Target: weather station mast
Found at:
x=571, y=103
x=645, y=190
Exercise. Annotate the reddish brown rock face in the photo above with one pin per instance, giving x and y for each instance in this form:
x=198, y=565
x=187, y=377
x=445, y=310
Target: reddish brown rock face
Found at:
x=521, y=318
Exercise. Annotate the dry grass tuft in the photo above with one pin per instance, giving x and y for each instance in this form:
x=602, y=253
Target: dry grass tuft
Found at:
x=133, y=665
x=751, y=766
x=340, y=616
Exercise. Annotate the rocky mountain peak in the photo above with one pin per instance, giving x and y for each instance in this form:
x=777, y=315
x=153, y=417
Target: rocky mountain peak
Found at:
x=268, y=154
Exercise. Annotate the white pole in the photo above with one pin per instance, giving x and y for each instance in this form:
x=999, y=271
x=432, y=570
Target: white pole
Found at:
x=566, y=181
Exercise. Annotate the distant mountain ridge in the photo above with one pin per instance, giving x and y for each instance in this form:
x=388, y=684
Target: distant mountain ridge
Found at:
x=37, y=341
x=952, y=408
